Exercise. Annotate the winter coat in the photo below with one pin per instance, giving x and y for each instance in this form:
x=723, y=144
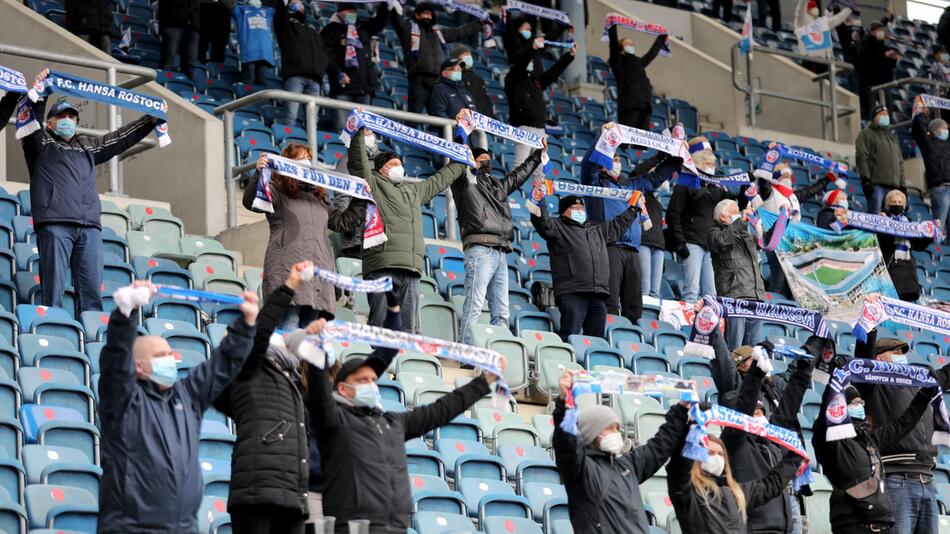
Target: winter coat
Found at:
x=151, y=480
x=302, y=48
x=353, y=236
x=8, y=107
x=853, y=465
x=850, y=37
x=878, y=156
x=427, y=61
x=363, y=453
x=448, y=98
x=735, y=260
x=634, y=90
x=936, y=153
x=400, y=208
x=874, y=68
x=604, y=490
x=903, y=272
x=476, y=87
x=364, y=78
x=525, y=90
x=825, y=217
x=689, y=215
x=729, y=381
x=298, y=232
x=178, y=14
x=579, y=262
x=483, y=212
x=943, y=28
x=89, y=16
x=63, y=173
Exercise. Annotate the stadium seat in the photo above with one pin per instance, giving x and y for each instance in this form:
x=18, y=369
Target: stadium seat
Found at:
x=12, y=514
x=507, y=525
x=61, y=507
x=48, y=321
x=161, y=271
x=414, y=385
x=179, y=334
x=61, y=466
x=55, y=387
x=425, y=462
x=439, y=523
x=438, y=319
x=209, y=251
x=212, y=278
x=432, y=494
x=216, y=473
x=57, y=426
x=540, y=494
x=53, y=353
x=212, y=514
x=217, y=441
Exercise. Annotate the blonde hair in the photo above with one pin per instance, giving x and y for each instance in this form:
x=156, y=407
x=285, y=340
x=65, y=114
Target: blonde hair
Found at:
x=703, y=158
x=895, y=194
x=708, y=488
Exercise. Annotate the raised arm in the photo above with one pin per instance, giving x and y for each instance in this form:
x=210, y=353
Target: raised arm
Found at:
x=378, y=22
x=516, y=178
x=114, y=143
x=357, y=159
x=431, y=416
x=547, y=227
x=439, y=181
x=458, y=33
x=401, y=26
x=838, y=18
x=894, y=431
x=33, y=143
x=649, y=458
x=722, y=238
x=117, y=366
x=615, y=228
x=918, y=131
x=551, y=75
x=344, y=218
x=724, y=373
x=322, y=408
x=786, y=414
x=759, y=492
x=674, y=217
x=654, y=50
x=568, y=449
x=615, y=50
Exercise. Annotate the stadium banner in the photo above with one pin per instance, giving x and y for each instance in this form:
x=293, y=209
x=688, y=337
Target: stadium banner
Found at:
x=914, y=315
x=411, y=136
x=880, y=224
x=616, y=19
x=377, y=285
x=814, y=38
x=537, y=11
x=829, y=272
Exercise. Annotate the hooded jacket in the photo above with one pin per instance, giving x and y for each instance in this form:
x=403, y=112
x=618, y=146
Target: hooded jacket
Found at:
x=151, y=480
x=936, y=153
x=689, y=215
x=483, y=212
x=448, y=98
x=364, y=78
x=604, y=490
x=400, y=208
x=525, y=90
x=878, y=156
x=302, y=48
x=634, y=90
x=735, y=260
x=579, y=262
x=428, y=59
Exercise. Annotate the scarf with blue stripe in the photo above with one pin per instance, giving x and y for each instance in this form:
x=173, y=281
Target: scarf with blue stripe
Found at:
x=406, y=134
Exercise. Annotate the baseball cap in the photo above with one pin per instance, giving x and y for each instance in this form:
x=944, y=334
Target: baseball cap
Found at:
x=59, y=107
x=374, y=362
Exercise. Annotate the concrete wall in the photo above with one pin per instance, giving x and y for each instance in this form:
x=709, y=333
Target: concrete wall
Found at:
x=188, y=174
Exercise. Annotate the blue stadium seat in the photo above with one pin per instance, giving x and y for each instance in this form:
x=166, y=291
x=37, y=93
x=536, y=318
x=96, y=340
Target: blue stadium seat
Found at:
x=540, y=494
x=55, y=387
x=53, y=322
x=216, y=473
x=53, y=353
x=51, y=425
x=582, y=344
x=12, y=514
x=439, y=523
x=217, y=441
x=517, y=457
x=432, y=494
x=94, y=324
x=12, y=478
x=61, y=466
x=452, y=450
x=179, y=334
x=213, y=514
x=425, y=462
x=11, y=436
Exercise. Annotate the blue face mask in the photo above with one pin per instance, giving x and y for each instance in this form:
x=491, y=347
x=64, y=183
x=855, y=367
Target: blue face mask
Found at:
x=526, y=34
x=455, y=75
x=164, y=371
x=580, y=217
x=367, y=396
x=468, y=61
x=65, y=128
x=899, y=358
x=349, y=18
x=885, y=120
x=943, y=135
x=856, y=412
x=296, y=7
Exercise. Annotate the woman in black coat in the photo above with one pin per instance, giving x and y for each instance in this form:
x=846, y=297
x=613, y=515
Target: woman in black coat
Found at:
x=897, y=250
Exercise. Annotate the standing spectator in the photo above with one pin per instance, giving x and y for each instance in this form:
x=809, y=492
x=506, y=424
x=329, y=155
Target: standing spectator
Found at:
x=178, y=23
x=943, y=28
x=772, y=8
x=525, y=86
x=349, y=45
x=850, y=34
x=722, y=9
x=303, y=58
x=151, y=421
x=652, y=245
x=473, y=82
x=832, y=201
x=579, y=261
x=940, y=70
x=602, y=481
x=805, y=14
x=66, y=209
x=875, y=65
x=402, y=257
x=487, y=230
x=735, y=259
x=351, y=239
x=215, y=29
x=449, y=95
x=91, y=21
x=255, y=31
x=518, y=37
x=935, y=149
x=299, y=228
x=879, y=159
x=424, y=46
x=634, y=91
x=901, y=264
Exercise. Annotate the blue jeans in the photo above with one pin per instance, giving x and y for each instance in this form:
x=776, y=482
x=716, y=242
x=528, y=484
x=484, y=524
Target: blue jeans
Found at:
x=486, y=276
x=582, y=313
x=742, y=332
x=914, y=504
x=940, y=204
x=698, y=271
x=181, y=42
x=297, y=84
x=340, y=115
x=299, y=317
x=70, y=247
x=878, y=192
x=651, y=271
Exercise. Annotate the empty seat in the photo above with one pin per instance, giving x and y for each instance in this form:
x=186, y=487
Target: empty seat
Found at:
x=61, y=466
x=432, y=494
x=53, y=353
x=55, y=387
x=213, y=278
x=50, y=321
x=212, y=514
x=61, y=507
x=439, y=523
x=540, y=494
x=179, y=334
x=61, y=427
x=209, y=251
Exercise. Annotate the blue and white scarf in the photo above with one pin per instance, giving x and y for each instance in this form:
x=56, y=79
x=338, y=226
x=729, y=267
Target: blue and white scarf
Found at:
x=474, y=10
x=693, y=181
x=537, y=11
x=886, y=374
x=897, y=227
x=196, y=295
x=649, y=28
x=415, y=38
x=905, y=313
x=929, y=101
x=400, y=132
x=611, y=139
x=774, y=154
x=13, y=81
x=469, y=121
x=558, y=44
x=377, y=285
x=778, y=230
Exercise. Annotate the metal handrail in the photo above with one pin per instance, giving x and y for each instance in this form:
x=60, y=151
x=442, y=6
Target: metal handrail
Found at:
x=834, y=68
x=141, y=75
x=881, y=96
x=232, y=172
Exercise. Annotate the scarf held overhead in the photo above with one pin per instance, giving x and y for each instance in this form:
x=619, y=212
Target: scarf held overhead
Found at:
x=537, y=11
x=616, y=19
x=411, y=136
x=881, y=224
x=473, y=120
x=905, y=313
x=377, y=285
x=929, y=101
x=611, y=139
x=775, y=154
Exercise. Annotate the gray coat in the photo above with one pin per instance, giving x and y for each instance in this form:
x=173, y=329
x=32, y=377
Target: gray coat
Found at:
x=298, y=232
x=735, y=259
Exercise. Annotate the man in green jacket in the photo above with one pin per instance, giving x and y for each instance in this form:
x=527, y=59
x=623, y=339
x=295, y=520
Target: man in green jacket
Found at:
x=400, y=207
x=879, y=159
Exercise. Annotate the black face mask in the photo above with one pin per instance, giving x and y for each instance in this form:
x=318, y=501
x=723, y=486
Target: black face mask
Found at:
x=895, y=210
x=484, y=167
x=425, y=23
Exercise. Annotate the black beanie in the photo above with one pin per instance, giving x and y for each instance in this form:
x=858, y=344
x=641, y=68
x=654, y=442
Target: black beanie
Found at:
x=567, y=202
x=851, y=393
x=478, y=152
x=382, y=158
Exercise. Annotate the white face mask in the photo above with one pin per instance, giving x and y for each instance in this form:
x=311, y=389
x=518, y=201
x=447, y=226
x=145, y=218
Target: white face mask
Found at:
x=369, y=141
x=612, y=443
x=709, y=169
x=714, y=465
x=813, y=11
x=761, y=420
x=397, y=173
x=615, y=170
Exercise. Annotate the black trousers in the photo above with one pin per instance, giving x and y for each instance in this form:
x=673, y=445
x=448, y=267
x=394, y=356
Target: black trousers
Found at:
x=637, y=117
x=215, y=27
x=770, y=7
x=625, y=296
x=420, y=87
x=582, y=312
x=724, y=7
x=266, y=519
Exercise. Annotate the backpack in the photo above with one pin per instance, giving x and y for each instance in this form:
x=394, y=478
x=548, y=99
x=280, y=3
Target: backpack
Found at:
x=542, y=295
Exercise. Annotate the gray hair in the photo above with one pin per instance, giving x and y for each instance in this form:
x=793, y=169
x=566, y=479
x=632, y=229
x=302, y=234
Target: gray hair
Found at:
x=722, y=208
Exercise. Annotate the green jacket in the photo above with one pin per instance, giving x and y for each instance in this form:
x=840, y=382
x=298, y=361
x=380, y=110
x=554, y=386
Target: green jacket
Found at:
x=400, y=208
x=878, y=155
x=735, y=259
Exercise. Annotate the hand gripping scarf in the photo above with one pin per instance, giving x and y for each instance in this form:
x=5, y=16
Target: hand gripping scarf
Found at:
x=13, y=81
x=196, y=295
x=469, y=121
x=616, y=19
x=554, y=187
x=411, y=136
x=929, y=101
x=778, y=230
x=905, y=313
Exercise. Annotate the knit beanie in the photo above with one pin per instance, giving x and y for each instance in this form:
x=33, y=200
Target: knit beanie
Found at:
x=851, y=393
x=833, y=197
x=383, y=158
x=567, y=202
x=591, y=421
x=935, y=125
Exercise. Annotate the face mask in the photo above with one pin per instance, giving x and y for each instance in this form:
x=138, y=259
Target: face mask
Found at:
x=856, y=412
x=879, y=36
x=710, y=169
x=943, y=135
x=856, y=22
x=468, y=61
x=425, y=23
x=530, y=67
x=369, y=142
x=455, y=75
x=895, y=210
x=714, y=465
x=612, y=443
x=761, y=420
x=899, y=359
x=349, y=18
x=734, y=217
x=164, y=371
x=254, y=3
x=630, y=50
x=884, y=120
x=813, y=11
x=580, y=217
x=296, y=7
x=65, y=128
x=397, y=172
x=525, y=33
x=367, y=396
x=615, y=170
x=943, y=57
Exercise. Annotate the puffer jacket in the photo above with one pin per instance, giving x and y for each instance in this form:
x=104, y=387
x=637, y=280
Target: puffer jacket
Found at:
x=878, y=156
x=936, y=153
x=634, y=90
x=735, y=259
x=302, y=48
x=604, y=490
x=689, y=215
x=400, y=208
x=89, y=16
x=483, y=212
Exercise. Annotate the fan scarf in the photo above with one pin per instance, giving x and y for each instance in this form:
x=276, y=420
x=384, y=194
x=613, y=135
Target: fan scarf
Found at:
x=377, y=285
x=881, y=224
x=470, y=9
x=470, y=121
x=411, y=136
x=616, y=19
x=556, y=187
x=374, y=233
x=698, y=437
x=929, y=101
x=558, y=44
x=196, y=295
x=778, y=230
x=415, y=35
x=537, y=11
x=885, y=374
x=13, y=81
x=905, y=313
x=611, y=139
x=779, y=151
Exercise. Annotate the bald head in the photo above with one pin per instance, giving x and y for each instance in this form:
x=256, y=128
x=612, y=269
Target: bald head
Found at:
x=144, y=350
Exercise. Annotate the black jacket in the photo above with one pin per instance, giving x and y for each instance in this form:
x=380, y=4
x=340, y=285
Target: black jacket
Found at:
x=604, y=490
x=735, y=260
x=89, y=16
x=364, y=78
x=525, y=90
x=63, y=173
x=852, y=461
x=849, y=37
x=428, y=60
x=483, y=212
x=825, y=217
x=8, y=107
x=874, y=68
x=689, y=215
x=729, y=381
x=363, y=453
x=448, y=98
x=476, y=87
x=634, y=90
x=903, y=272
x=936, y=153
x=515, y=43
x=151, y=480
x=579, y=261
x=302, y=48
x=943, y=28
x=179, y=14
x=653, y=237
